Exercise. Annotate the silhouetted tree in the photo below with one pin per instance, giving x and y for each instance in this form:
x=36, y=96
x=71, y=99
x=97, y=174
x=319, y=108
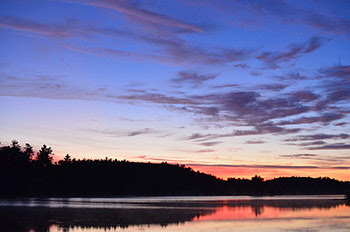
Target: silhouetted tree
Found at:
x=24, y=176
x=28, y=153
x=67, y=158
x=15, y=145
x=44, y=157
x=257, y=179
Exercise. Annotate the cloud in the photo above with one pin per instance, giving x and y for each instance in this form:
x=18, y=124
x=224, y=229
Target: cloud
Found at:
x=312, y=143
x=225, y=86
x=285, y=12
x=142, y=16
x=210, y=144
x=261, y=112
x=140, y=132
x=54, y=30
x=158, y=98
x=319, y=136
x=329, y=25
x=292, y=52
x=273, y=87
x=178, y=54
x=316, y=157
x=341, y=71
x=185, y=53
x=255, y=73
x=304, y=96
x=338, y=146
x=325, y=118
x=205, y=150
x=192, y=78
x=293, y=76
x=299, y=156
x=341, y=124
x=43, y=86
x=164, y=47
x=254, y=142
x=244, y=66
x=266, y=129
x=240, y=107
x=196, y=136
x=258, y=130
x=335, y=83
x=120, y=133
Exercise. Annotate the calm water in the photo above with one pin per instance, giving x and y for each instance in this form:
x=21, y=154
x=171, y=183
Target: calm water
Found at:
x=282, y=213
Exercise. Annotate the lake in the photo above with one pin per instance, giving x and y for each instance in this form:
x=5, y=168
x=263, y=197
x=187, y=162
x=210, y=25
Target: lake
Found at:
x=232, y=213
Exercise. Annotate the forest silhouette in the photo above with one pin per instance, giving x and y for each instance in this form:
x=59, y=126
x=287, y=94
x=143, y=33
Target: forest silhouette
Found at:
x=26, y=174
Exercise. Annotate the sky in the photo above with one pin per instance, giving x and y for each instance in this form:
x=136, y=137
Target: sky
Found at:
x=231, y=88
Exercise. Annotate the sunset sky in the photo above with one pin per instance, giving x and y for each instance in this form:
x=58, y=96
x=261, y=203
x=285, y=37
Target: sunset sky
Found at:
x=231, y=88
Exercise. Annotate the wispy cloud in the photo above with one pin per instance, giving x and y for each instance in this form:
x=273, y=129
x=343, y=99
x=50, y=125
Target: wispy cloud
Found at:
x=210, y=144
x=169, y=47
x=325, y=119
x=334, y=159
x=67, y=29
x=341, y=71
x=141, y=15
x=192, y=78
x=286, y=12
x=254, y=142
x=141, y=132
x=121, y=133
x=293, y=51
x=319, y=136
x=337, y=146
x=205, y=150
x=273, y=87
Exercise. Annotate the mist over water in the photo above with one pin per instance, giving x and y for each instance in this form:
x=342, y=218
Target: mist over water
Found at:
x=282, y=213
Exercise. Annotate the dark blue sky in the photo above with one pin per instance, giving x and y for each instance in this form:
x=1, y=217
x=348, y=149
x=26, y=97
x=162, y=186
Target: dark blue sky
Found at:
x=227, y=87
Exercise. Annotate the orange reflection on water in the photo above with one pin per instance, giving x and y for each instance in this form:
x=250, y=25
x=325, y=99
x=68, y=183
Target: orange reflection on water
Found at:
x=270, y=212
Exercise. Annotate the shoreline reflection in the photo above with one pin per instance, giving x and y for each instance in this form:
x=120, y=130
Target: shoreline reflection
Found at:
x=52, y=215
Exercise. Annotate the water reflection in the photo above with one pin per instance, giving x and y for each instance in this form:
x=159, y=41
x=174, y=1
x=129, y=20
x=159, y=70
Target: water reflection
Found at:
x=137, y=214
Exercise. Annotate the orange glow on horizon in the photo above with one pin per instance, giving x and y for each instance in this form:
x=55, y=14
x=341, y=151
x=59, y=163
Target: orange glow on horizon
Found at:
x=245, y=172
x=270, y=173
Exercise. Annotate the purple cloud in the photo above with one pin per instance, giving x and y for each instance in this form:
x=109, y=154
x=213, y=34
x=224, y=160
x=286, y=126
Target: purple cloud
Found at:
x=54, y=30
x=338, y=146
x=320, y=136
x=304, y=96
x=292, y=52
x=293, y=76
x=254, y=142
x=244, y=66
x=273, y=87
x=205, y=150
x=142, y=16
x=325, y=118
x=140, y=132
x=193, y=78
x=342, y=71
x=316, y=157
x=210, y=144
x=288, y=13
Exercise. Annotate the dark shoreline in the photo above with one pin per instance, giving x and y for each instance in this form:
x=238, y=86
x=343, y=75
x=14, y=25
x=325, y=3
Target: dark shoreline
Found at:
x=24, y=176
x=141, y=213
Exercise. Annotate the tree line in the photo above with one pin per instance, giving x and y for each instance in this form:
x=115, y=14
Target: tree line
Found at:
x=26, y=173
